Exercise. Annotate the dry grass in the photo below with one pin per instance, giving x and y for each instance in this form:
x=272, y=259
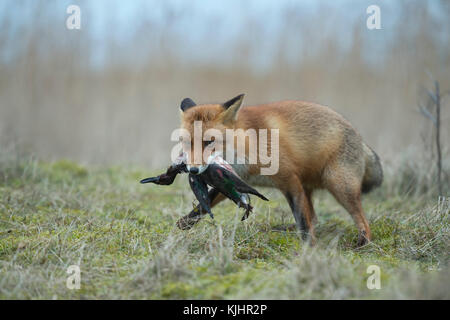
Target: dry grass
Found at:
x=123, y=236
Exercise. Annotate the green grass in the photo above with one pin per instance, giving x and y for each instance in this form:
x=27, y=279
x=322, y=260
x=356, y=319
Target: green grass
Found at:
x=123, y=236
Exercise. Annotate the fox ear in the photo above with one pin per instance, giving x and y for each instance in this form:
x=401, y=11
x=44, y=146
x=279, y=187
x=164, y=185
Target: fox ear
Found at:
x=231, y=109
x=186, y=104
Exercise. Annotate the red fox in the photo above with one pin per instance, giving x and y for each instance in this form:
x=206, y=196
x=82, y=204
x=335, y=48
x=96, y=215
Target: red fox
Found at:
x=317, y=147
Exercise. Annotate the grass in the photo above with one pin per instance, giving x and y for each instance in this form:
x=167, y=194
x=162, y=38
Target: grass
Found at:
x=123, y=237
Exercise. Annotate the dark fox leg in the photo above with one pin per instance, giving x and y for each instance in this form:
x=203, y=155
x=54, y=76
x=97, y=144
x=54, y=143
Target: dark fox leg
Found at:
x=301, y=209
x=189, y=220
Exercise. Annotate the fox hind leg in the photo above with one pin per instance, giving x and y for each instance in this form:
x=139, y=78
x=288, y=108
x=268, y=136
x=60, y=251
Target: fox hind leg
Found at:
x=352, y=203
x=345, y=186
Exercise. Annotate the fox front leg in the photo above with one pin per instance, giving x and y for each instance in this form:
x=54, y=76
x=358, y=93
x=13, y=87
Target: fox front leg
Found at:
x=301, y=210
x=189, y=220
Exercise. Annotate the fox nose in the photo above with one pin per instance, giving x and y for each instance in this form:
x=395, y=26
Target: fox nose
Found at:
x=194, y=170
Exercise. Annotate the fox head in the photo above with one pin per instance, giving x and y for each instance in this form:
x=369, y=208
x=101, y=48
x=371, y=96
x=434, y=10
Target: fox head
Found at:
x=206, y=125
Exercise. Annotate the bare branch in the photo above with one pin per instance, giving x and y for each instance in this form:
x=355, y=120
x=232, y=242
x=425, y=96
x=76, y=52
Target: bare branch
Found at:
x=432, y=96
x=434, y=102
x=427, y=114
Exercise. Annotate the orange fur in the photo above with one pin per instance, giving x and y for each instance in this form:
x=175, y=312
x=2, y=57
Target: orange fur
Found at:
x=318, y=148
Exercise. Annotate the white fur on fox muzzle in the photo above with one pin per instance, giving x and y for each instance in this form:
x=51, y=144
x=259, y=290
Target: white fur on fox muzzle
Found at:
x=213, y=157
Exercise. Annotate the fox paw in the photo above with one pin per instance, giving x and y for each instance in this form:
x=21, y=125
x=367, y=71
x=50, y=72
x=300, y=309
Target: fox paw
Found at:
x=362, y=239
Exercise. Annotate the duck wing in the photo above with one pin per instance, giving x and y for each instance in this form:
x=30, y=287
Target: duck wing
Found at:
x=200, y=190
x=233, y=179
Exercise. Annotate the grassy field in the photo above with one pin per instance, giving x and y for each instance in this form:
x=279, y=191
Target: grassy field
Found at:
x=123, y=237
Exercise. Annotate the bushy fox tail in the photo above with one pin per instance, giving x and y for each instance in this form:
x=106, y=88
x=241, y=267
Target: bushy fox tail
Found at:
x=373, y=175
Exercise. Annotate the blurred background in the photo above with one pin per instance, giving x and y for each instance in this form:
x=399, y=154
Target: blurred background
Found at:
x=110, y=92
